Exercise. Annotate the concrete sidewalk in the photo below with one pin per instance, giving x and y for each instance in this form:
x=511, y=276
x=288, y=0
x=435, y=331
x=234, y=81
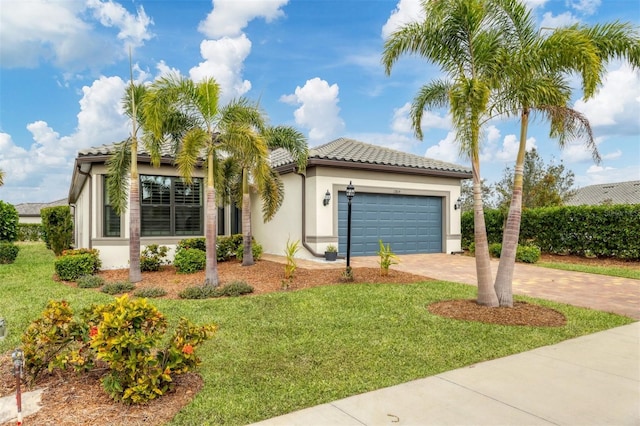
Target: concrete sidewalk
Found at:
x=590, y=380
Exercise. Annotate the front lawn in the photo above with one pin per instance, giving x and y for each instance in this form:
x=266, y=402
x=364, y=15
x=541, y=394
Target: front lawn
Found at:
x=278, y=352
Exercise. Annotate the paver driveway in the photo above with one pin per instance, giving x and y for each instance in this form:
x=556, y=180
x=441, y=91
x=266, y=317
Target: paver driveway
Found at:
x=601, y=292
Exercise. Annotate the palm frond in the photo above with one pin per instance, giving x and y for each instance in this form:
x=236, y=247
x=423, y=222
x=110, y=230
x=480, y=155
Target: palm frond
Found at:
x=118, y=166
x=291, y=140
x=272, y=195
x=190, y=152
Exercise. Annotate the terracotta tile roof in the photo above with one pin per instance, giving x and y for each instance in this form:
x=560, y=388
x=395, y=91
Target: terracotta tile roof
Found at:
x=353, y=151
x=607, y=193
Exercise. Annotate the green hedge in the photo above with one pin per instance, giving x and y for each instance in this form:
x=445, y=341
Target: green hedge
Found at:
x=29, y=232
x=226, y=246
x=601, y=231
x=57, y=228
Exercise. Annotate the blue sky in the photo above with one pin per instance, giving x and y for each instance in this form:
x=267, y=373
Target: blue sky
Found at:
x=313, y=64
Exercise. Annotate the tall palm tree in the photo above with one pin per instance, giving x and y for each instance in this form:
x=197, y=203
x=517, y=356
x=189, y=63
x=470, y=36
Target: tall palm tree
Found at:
x=201, y=137
x=246, y=121
x=458, y=36
x=123, y=162
x=536, y=67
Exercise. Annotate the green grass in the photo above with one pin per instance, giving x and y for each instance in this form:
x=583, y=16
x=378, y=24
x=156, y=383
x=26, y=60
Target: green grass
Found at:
x=614, y=271
x=279, y=352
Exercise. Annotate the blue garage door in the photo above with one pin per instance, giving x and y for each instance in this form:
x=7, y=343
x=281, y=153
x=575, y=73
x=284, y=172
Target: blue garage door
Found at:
x=411, y=224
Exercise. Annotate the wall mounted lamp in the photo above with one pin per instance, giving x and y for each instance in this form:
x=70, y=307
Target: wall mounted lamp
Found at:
x=458, y=204
x=327, y=198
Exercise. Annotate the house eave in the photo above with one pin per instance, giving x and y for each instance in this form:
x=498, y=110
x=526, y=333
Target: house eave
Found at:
x=323, y=162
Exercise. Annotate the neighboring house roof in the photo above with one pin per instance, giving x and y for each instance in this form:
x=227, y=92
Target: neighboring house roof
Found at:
x=354, y=154
x=33, y=209
x=607, y=193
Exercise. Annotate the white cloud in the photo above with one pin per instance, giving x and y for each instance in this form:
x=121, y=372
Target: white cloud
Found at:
x=562, y=20
x=446, y=150
x=319, y=111
x=603, y=174
x=62, y=33
x=586, y=7
x=48, y=162
x=615, y=108
x=133, y=29
x=535, y=3
x=230, y=17
x=224, y=61
x=612, y=155
x=402, y=123
x=392, y=140
x=510, y=145
x=405, y=12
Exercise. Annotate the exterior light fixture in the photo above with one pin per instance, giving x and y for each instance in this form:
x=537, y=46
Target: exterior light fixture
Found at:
x=458, y=204
x=3, y=328
x=351, y=191
x=327, y=198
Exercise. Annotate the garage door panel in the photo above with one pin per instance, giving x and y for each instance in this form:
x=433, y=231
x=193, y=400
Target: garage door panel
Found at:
x=410, y=224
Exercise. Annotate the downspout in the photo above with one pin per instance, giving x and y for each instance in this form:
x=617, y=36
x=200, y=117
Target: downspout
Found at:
x=88, y=175
x=304, y=216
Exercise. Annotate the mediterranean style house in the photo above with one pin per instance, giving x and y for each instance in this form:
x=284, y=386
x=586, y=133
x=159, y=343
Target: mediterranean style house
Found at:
x=405, y=200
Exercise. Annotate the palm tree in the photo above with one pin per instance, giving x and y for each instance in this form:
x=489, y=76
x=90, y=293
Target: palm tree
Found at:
x=201, y=137
x=123, y=162
x=243, y=120
x=535, y=81
x=1, y=177
x=457, y=35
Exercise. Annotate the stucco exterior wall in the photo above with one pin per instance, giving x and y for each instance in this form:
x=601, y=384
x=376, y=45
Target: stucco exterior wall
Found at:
x=30, y=219
x=321, y=225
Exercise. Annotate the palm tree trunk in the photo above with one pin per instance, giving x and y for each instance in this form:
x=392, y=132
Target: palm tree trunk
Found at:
x=211, y=227
x=504, y=278
x=135, y=274
x=486, y=293
x=247, y=253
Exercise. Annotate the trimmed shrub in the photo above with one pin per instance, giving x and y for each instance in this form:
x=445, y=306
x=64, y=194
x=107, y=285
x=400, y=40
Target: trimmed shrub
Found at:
x=118, y=287
x=256, y=249
x=57, y=228
x=90, y=281
x=72, y=267
x=235, y=289
x=29, y=232
x=189, y=260
x=8, y=252
x=198, y=292
x=150, y=292
x=152, y=257
x=495, y=249
x=8, y=222
x=193, y=243
x=527, y=254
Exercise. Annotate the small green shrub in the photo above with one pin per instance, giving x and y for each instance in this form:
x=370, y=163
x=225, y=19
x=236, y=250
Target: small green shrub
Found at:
x=198, y=292
x=193, y=243
x=235, y=289
x=290, y=253
x=57, y=228
x=495, y=249
x=387, y=258
x=527, y=254
x=152, y=257
x=256, y=249
x=472, y=248
x=8, y=252
x=29, y=232
x=8, y=222
x=118, y=287
x=190, y=260
x=150, y=292
x=72, y=267
x=90, y=281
